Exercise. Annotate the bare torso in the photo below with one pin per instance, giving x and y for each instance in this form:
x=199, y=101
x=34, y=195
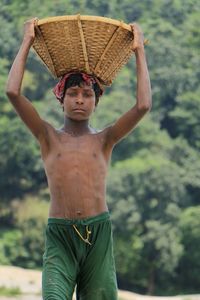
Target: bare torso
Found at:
x=76, y=169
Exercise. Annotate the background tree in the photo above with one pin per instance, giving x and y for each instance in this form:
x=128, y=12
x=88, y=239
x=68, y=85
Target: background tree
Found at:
x=153, y=182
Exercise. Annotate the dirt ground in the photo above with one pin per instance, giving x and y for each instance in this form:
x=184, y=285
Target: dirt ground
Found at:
x=29, y=282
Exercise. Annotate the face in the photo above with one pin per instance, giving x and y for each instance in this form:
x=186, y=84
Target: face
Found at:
x=79, y=102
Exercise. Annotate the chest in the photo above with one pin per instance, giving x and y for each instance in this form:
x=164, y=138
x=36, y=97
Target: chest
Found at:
x=71, y=153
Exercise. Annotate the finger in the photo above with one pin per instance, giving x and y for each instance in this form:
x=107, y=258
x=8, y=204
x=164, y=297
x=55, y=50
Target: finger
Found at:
x=30, y=20
x=133, y=24
x=36, y=21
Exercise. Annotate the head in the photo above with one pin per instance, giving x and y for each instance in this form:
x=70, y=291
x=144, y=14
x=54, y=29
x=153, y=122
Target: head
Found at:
x=78, y=90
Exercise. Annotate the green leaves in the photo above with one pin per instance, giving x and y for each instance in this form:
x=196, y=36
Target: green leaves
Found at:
x=186, y=117
x=21, y=168
x=27, y=240
x=153, y=183
x=190, y=229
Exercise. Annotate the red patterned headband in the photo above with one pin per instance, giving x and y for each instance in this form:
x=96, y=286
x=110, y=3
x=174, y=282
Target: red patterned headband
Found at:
x=59, y=88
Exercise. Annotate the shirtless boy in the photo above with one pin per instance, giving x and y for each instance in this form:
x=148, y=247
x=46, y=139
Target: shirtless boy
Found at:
x=78, y=249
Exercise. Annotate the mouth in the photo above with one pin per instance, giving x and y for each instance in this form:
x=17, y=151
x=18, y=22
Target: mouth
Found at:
x=78, y=110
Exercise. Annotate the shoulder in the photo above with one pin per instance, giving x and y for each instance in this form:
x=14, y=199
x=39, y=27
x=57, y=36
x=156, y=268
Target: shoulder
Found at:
x=100, y=132
x=47, y=133
x=49, y=129
x=105, y=138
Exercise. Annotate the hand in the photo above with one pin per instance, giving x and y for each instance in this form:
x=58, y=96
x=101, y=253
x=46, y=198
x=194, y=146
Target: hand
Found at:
x=138, y=42
x=29, y=30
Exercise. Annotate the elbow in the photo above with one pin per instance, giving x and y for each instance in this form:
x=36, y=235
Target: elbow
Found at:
x=11, y=94
x=145, y=106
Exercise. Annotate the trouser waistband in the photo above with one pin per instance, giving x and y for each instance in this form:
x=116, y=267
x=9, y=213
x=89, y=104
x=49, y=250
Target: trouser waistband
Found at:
x=85, y=221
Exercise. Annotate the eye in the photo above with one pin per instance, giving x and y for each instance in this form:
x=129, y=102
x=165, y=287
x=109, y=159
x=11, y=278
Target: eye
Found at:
x=72, y=93
x=87, y=94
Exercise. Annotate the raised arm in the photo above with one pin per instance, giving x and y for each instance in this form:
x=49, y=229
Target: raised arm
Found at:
x=130, y=119
x=21, y=104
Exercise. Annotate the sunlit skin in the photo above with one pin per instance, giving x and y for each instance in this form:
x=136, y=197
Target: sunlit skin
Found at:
x=76, y=157
x=77, y=153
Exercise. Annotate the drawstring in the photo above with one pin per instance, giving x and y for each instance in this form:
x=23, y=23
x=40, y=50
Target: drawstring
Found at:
x=87, y=237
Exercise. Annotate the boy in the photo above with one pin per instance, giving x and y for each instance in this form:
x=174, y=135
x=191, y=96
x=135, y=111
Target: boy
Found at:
x=78, y=247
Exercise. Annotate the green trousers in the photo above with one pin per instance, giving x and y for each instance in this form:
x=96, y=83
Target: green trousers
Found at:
x=79, y=253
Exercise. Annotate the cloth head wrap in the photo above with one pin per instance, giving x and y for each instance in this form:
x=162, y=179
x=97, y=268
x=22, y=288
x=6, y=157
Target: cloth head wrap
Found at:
x=60, y=86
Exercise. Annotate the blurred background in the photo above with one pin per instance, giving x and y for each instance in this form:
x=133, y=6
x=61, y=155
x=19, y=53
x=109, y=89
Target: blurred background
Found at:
x=153, y=188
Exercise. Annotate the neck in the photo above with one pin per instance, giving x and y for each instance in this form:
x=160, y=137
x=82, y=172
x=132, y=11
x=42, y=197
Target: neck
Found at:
x=76, y=127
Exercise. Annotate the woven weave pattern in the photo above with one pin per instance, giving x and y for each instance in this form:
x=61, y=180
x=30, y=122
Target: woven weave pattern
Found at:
x=95, y=45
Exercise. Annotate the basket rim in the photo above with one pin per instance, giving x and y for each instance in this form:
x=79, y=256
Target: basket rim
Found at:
x=84, y=18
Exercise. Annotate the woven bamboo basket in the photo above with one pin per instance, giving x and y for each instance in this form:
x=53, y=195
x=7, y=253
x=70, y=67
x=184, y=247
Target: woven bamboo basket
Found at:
x=95, y=45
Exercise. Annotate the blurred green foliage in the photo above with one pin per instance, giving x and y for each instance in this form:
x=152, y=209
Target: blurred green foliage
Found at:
x=9, y=292
x=153, y=183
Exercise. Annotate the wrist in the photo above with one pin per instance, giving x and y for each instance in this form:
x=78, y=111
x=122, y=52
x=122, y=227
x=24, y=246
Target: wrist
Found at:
x=27, y=41
x=139, y=50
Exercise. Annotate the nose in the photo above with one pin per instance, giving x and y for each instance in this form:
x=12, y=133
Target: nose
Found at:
x=79, y=99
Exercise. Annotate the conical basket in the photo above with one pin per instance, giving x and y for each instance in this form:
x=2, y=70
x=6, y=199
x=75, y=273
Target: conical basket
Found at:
x=94, y=45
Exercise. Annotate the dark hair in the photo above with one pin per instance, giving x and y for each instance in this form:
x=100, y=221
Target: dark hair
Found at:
x=76, y=79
